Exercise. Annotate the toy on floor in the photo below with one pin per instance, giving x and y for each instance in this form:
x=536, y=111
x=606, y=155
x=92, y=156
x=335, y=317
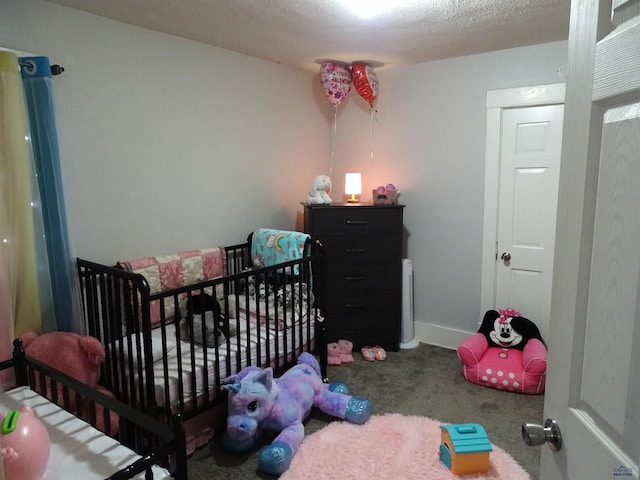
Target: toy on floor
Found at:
x=333, y=354
x=340, y=352
x=24, y=445
x=464, y=448
x=79, y=356
x=258, y=401
x=371, y=354
x=345, y=347
x=507, y=353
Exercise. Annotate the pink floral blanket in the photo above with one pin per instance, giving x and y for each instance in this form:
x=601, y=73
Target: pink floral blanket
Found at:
x=175, y=270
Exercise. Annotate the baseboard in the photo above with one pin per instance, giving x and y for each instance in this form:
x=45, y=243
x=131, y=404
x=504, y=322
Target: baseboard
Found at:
x=440, y=336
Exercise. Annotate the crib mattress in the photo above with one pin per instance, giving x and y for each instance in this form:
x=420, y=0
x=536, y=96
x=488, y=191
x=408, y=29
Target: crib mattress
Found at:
x=256, y=349
x=77, y=449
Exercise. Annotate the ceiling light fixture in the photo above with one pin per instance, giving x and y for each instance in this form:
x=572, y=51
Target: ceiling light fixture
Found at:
x=369, y=8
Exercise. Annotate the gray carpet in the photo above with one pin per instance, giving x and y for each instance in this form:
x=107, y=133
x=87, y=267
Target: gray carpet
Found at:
x=425, y=381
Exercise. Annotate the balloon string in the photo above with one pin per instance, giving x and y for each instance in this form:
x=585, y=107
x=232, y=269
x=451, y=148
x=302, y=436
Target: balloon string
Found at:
x=333, y=147
x=372, y=138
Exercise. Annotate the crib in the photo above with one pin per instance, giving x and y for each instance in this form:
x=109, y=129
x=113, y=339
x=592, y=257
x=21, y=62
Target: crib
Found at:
x=141, y=447
x=163, y=359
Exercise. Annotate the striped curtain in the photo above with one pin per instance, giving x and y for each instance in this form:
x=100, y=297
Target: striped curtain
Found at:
x=20, y=289
x=37, y=282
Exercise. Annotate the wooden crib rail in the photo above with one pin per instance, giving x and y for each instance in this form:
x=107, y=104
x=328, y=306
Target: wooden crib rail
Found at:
x=123, y=314
x=155, y=441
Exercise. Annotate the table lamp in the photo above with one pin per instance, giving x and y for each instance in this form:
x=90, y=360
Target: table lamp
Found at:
x=353, y=186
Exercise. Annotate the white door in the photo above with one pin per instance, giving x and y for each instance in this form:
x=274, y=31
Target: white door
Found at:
x=593, y=383
x=524, y=139
x=529, y=173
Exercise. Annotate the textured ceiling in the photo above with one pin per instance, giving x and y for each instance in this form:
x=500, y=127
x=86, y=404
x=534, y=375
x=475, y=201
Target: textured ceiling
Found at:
x=300, y=33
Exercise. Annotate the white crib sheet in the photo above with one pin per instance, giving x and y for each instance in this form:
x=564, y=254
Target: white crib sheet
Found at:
x=249, y=340
x=77, y=449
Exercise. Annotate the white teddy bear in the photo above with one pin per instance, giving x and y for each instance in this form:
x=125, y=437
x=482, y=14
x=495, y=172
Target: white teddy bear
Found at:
x=320, y=189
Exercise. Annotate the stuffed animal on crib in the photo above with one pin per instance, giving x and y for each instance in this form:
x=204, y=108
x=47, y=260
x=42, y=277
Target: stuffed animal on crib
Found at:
x=258, y=401
x=215, y=322
x=319, y=191
x=79, y=356
x=24, y=445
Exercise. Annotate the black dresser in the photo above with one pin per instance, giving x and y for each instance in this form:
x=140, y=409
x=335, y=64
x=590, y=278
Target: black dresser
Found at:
x=363, y=246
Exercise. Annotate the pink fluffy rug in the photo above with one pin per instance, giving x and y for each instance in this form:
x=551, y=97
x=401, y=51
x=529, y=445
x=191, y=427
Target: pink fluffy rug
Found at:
x=388, y=446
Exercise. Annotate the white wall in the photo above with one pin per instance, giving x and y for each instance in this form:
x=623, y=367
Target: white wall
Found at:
x=429, y=139
x=168, y=144
x=150, y=124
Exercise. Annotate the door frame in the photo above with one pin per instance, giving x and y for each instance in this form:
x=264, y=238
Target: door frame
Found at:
x=497, y=102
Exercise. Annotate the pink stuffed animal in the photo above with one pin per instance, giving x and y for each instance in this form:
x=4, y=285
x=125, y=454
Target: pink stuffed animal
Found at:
x=79, y=356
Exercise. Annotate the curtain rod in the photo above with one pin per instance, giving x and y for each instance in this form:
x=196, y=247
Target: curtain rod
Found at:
x=55, y=69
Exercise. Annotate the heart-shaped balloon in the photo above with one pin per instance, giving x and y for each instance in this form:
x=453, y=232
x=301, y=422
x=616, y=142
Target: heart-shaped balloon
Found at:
x=335, y=78
x=365, y=81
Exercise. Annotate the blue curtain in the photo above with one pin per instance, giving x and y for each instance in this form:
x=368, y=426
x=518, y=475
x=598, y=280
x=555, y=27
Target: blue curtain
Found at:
x=37, y=81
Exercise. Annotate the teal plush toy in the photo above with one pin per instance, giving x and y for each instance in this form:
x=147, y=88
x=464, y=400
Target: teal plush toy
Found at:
x=258, y=401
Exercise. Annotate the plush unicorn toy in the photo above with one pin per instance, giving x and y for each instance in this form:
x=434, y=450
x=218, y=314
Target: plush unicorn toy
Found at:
x=258, y=401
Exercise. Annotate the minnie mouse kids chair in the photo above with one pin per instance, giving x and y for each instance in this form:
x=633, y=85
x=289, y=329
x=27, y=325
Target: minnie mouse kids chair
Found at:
x=507, y=353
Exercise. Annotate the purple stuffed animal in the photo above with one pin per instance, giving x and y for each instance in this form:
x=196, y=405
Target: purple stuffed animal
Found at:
x=258, y=401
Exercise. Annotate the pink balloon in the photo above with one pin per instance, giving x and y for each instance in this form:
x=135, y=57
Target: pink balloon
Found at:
x=335, y=78
x=365, y=81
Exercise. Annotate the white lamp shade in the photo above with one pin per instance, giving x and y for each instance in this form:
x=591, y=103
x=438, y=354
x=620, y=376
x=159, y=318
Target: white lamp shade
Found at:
x=353, y=184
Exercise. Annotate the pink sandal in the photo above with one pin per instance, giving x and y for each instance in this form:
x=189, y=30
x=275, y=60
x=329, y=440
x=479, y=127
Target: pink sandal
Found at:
x=368, y=354
x=379, y=353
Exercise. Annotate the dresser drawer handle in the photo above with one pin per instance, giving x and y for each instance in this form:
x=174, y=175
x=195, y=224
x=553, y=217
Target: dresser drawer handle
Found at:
x=355, y=279
x=355, y=250
x=354, y=306
x=356, y=223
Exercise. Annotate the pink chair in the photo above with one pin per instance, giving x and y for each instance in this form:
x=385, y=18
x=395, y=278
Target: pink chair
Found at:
x=507, y=353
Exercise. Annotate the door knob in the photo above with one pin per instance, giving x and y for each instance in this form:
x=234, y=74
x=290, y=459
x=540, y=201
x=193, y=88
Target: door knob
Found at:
x=506, y=256
x=535, y=435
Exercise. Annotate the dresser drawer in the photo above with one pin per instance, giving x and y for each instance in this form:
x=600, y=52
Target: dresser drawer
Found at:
x=350, y=221
x=356, y=300
x=354, y=250
x=363, y=276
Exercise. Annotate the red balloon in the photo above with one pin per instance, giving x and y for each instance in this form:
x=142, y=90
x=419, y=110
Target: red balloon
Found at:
x=365, y=81
x=335, y=78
